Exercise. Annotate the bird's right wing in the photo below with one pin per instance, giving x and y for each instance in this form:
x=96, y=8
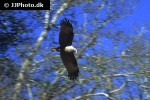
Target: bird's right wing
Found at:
x=66, y=33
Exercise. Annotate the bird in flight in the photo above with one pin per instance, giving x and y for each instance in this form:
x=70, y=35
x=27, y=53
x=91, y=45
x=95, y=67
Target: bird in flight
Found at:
x=66, y=49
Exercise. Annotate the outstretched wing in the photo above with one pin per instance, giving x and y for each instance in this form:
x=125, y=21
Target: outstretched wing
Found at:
x=70, y=63
x=66, y=33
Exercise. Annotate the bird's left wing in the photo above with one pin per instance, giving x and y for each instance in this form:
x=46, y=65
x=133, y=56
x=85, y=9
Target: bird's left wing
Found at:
x=70, y=63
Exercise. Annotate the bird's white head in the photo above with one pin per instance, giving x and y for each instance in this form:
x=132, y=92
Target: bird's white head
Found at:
x=70, y=49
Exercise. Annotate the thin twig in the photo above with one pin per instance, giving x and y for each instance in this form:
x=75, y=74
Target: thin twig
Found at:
x=30, y=92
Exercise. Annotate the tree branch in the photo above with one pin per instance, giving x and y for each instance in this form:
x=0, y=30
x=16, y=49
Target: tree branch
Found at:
x=95, y=94
x=27, y=63
x=30, y=92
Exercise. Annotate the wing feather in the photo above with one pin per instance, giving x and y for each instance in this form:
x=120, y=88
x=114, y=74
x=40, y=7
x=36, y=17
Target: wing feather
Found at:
x=66, y=33
x=70, y=63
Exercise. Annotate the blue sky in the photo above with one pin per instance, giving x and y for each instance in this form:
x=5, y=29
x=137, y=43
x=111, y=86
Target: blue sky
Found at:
x=140, y=16
x=142, y=13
